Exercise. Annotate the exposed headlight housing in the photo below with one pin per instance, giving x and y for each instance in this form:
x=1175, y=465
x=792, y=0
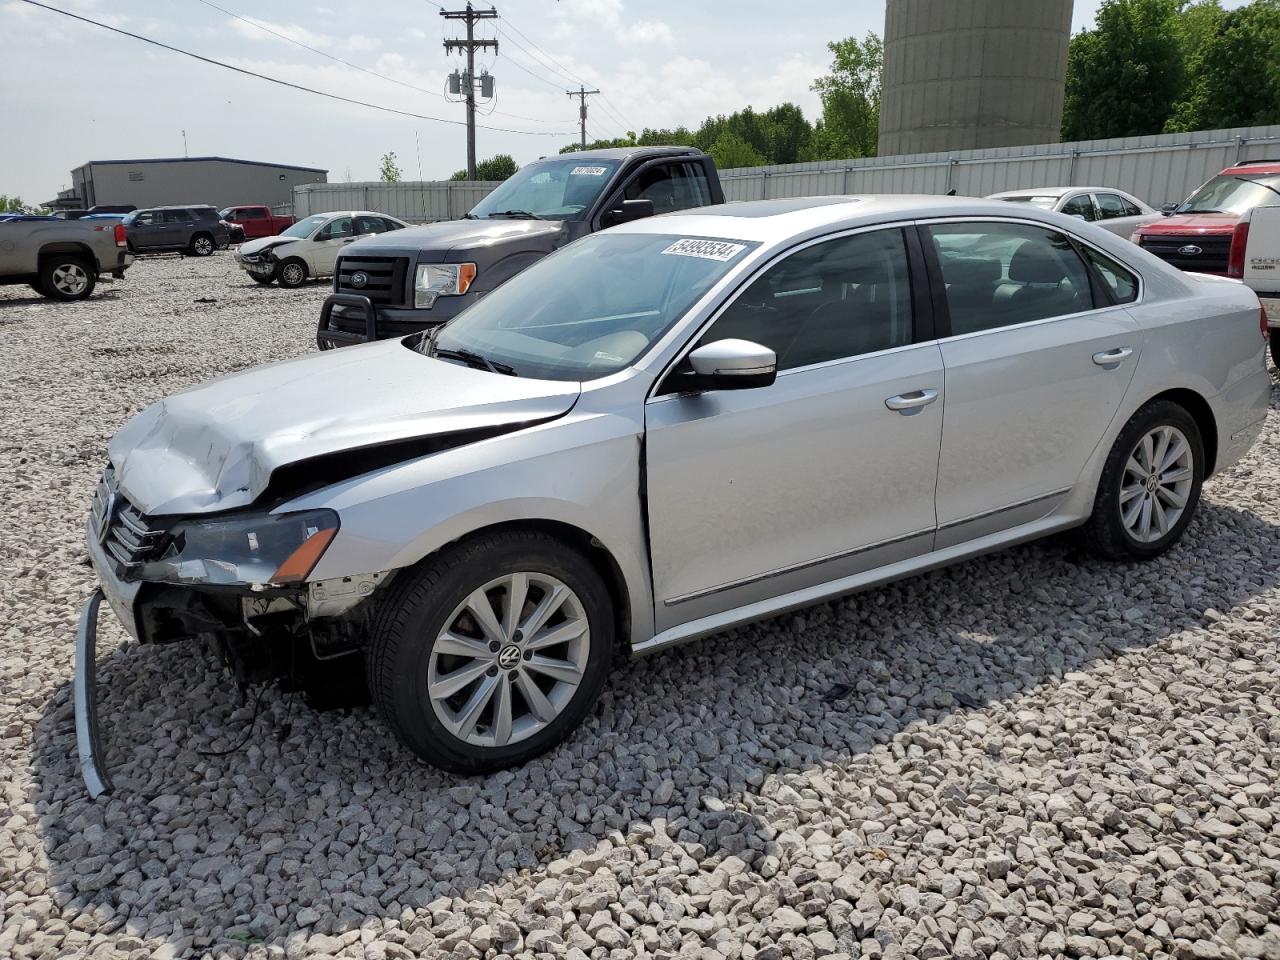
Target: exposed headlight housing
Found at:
x=441, y=280
x=259, y=549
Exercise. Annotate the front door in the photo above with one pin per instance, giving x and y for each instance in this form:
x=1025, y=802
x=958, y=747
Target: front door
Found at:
x=329, y=243
x=147, y=229
x=757, y=493
x=1039, y=356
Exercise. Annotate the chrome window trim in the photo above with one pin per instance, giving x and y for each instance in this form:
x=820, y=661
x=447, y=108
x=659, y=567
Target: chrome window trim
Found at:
x=755, y=274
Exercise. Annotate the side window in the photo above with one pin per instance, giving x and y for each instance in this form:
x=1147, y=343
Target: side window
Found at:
x=389, y=225
x=1000, y=274
x=336, y=229
x=671, y=186
x=1081, y=206
x=1123, y=284
x=1130, y=210
x=369, y=225
x=177, y=216
x=1111, y=206
x=253, y=213
x=149, y=219
x=836, y=299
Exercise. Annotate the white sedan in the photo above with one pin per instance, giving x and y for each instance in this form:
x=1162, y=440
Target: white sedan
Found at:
x=1114, y=210
x=310, y=247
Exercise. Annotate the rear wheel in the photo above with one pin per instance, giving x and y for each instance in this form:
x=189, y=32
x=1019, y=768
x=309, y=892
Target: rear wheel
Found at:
x=292, y=273
x=202, y=245
x=491, y=653
x=1150, y=485
x=66, y=277
x=1274, y=335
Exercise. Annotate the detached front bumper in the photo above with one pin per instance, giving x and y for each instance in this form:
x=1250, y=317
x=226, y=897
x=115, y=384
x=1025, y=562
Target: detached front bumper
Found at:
x=84, y=687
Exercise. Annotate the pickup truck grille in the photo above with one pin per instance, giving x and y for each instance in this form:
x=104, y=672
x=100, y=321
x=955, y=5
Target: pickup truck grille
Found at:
x=384, y=278
x=1212, y=258
x=131, y=537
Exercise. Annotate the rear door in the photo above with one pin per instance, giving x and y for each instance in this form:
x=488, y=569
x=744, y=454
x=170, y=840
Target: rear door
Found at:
x=179, y=225
x=1118, y=215
x=1038, y=354
x=256, y=222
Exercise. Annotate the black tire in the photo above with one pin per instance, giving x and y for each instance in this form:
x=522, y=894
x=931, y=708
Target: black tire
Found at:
x=202, y=245
x=422, y=601
x=1274, y=336
x=264, y=280
x=292, y=273
x=66, y=277
x=1106, y=533
x=38, y=288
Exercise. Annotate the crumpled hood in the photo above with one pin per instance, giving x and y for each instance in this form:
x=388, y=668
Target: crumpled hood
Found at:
x=214, y=447
x=456, y=235
x=264, y=243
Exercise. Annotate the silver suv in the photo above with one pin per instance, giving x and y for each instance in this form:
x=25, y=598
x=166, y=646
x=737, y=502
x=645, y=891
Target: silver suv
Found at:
x=195, y=229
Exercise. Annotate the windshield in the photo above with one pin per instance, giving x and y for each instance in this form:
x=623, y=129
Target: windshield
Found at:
x=304, y=228
x=1047, y=202
x=549, y=189
x=1233, y=193
x=590, y=309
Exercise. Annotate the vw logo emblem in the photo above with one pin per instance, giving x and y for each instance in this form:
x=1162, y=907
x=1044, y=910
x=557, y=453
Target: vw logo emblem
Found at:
x=360, y=278
x=109, y=511
x=1190, y=250
x=509, y=657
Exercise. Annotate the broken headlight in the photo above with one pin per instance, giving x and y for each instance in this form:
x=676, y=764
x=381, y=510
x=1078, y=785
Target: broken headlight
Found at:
x=259, y=549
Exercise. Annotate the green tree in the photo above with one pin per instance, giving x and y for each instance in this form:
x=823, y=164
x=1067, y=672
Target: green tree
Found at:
x=1124, y=76
x=850, y=95
x=495, y=168
x=730, y=151
x=12, y=204
x=1230, y=61
x=388, y=169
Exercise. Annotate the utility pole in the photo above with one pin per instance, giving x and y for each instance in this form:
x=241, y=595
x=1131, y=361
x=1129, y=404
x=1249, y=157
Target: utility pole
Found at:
x=470, y=45
x=582, y=95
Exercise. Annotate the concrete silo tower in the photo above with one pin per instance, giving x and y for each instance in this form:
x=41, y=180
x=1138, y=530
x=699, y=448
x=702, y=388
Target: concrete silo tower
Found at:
x=965, y=74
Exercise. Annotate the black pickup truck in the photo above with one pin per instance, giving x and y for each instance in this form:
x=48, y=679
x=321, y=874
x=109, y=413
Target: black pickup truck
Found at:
x=399, y=283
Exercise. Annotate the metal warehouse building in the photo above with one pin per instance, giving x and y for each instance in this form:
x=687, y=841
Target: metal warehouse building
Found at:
x=220, y=181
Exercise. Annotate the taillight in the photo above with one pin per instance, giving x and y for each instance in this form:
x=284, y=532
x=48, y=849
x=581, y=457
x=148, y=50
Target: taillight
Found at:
x=1239, y=239
x=120, y=237
x=1262, y=321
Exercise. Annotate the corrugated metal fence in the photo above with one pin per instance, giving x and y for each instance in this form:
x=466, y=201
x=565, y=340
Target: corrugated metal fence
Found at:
x=1159, y=169
x=414, y=201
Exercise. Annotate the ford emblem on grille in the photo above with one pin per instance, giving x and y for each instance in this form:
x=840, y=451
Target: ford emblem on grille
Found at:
x=1190, y=250
x=360, y=278
x=108, y=512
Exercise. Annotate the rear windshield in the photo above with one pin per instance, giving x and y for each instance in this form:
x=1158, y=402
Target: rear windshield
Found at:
x=1234, y=193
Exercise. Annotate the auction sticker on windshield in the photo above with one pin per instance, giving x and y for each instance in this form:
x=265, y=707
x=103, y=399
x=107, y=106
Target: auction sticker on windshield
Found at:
x=588, y=171
x=705, y=249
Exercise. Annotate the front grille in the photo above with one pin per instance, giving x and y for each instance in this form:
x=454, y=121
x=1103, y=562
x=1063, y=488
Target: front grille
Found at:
x=1212, y=258
x=132, y=538
x=384, y=278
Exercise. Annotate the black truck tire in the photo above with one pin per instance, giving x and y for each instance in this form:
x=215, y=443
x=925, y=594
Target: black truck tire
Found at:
x=67, y=276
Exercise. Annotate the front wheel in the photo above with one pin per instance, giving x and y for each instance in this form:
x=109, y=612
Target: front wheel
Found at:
x=202, y=245
x=1274, y=335
x=292, y=273
x=264, y=278
x=492, y=652
x=1150, y=484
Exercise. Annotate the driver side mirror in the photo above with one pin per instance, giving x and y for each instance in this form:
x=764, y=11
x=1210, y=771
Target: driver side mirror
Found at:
x=1169, y=209
x=630, y=210
x=726, y=365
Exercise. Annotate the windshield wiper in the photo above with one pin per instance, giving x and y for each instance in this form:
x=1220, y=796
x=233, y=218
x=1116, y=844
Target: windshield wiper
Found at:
x=473, y=359
x=1265, y=186
x=515, y=215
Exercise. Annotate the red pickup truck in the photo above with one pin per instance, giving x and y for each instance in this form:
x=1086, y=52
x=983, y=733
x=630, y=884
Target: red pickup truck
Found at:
x=256, y=221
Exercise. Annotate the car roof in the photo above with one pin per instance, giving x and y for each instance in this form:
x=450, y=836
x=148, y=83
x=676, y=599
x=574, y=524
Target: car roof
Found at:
x=777, y=220
x=1259, y=166
x=624, y=153
x=353, y=213
x=1055, y=192
x=177, y=206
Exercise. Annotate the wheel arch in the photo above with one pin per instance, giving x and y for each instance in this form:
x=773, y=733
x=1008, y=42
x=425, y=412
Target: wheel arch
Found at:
x=67, y=246
x=1196, y=405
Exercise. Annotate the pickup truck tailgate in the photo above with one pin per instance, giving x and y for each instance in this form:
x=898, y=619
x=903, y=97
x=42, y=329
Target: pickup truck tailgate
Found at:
x=1262, y=260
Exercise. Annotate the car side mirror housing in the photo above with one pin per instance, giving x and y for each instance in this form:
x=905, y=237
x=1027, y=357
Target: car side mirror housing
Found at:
x=726, y=365
x=630, y=210
x=1169, y=209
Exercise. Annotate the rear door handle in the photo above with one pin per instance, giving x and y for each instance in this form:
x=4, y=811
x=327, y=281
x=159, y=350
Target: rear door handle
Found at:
x=1109, y=358
x=909, y=403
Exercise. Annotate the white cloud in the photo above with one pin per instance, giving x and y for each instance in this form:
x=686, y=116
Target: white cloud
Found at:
x=358, y=41
x=610, y=15
x=257, y=29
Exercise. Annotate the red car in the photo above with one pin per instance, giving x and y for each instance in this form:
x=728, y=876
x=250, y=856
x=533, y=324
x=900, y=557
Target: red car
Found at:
x=256, y=221
x=1205, y=233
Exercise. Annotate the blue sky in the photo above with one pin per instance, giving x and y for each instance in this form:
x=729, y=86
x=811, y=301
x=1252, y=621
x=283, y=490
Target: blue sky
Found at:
x=77, y=93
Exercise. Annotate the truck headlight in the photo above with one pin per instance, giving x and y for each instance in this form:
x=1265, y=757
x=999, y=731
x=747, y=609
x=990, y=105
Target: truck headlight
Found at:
x=256, y=549
x=441, y=280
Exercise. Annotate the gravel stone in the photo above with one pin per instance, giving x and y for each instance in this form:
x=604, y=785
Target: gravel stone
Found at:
x=1033, y=754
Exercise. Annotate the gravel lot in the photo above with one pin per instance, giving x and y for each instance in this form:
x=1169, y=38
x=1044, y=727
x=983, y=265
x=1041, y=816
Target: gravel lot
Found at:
x=1030, y=755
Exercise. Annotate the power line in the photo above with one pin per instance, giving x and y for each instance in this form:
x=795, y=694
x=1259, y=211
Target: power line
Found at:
x=279, y=82
x=572, y=77
x=563, y=77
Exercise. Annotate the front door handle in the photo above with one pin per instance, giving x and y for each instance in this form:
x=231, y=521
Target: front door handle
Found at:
x=1109, y=358
x=913, y=402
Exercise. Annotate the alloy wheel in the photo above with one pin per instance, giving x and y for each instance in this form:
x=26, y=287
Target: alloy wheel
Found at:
x=292, y=273
x=1156, y=484
x=204, y=246
x=70, y=279
x=509, y=659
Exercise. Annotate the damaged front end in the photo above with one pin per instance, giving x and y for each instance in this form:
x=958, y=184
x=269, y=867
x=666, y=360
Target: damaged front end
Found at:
x=236, y=580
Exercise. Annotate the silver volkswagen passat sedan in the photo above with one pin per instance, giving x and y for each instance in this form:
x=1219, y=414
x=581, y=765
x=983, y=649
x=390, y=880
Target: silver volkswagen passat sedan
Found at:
x=662, y=430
